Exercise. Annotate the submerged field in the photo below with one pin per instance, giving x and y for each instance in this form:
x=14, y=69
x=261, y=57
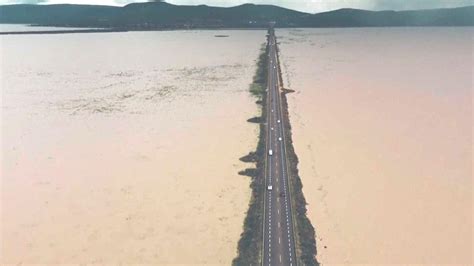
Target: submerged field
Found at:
x=125, y=147
x=382, y=126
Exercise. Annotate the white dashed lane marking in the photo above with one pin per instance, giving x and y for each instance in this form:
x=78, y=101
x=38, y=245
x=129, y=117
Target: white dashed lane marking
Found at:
x=276, y=163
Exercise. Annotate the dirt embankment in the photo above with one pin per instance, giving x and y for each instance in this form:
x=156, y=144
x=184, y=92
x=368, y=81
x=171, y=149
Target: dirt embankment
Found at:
x=250, y=243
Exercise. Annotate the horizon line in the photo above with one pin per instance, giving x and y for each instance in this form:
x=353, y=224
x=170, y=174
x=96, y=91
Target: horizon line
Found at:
x=164, y=2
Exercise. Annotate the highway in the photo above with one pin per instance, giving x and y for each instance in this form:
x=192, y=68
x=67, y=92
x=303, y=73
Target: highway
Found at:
x=278, y=237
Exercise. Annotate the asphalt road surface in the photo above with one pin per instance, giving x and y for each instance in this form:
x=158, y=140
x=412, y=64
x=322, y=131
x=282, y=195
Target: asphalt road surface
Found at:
x=278, y=237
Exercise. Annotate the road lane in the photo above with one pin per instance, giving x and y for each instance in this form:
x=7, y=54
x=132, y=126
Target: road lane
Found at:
x=279, y=247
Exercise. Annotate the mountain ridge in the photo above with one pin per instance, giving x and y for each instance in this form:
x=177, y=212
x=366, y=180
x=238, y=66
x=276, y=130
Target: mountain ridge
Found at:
x=162, y=15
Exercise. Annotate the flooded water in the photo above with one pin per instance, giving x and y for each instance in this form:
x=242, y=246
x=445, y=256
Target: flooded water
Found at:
x=125, y=147
x=24, y=27
x=382, y=123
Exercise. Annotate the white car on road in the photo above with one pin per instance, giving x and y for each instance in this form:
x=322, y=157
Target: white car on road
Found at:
x=270, y=152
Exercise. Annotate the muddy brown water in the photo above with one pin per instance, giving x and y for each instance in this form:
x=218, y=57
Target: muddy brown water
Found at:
x=382, y=126
x=125, y=147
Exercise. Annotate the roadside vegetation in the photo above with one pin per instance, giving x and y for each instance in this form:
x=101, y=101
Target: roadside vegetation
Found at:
x=250, y=243
x=305, y=233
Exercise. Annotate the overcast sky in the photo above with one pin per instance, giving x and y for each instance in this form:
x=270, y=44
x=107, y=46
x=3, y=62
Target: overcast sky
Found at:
x=302, y=5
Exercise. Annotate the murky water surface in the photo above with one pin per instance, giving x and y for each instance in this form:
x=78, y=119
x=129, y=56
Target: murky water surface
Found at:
x=382, y=123
x=24, y=27
x=125, y=147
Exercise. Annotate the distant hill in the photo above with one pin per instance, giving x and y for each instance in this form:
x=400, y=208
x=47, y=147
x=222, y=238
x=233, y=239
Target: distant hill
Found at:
x=165, y=15
x=463, y=16
x=73, y=15
x=147, y=15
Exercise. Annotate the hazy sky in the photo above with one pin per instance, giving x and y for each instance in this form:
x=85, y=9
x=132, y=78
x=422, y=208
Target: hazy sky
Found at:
x=302, y=5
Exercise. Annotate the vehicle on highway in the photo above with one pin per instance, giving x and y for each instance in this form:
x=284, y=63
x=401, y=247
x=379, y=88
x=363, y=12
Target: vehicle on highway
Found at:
x=269, y=188
x=270, y=152
x=278, y=121
x=279, y=139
